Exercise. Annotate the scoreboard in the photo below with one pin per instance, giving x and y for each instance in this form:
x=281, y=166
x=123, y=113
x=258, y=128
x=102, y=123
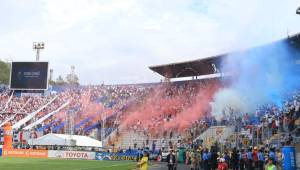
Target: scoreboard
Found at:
x=29, y=76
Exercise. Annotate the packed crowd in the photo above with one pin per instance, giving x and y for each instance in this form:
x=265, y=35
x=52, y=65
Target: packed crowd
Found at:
x=163, y=103
x=268, y=120
x=15, y=108
x=88, y=106
x=235, y=159
x=166, y=104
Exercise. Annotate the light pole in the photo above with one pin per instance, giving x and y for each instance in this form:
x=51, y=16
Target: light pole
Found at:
x=38, y=46
x=298, y=11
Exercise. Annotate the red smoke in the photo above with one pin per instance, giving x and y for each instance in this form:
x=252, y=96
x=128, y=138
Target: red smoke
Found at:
x=183, y=106
x=88, y=109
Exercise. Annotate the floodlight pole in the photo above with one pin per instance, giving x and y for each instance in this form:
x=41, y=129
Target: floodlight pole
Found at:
x=37, y=58
x=38, y=46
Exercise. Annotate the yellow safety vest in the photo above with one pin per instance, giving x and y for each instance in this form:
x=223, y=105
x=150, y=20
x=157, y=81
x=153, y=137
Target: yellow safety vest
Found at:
x=144, y=163
x=272, y=167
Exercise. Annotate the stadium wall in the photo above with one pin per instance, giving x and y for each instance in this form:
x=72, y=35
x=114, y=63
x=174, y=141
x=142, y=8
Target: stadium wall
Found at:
x=84, y=155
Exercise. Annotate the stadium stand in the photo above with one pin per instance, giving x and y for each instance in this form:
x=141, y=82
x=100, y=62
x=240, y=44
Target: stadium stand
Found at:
x=112, y=113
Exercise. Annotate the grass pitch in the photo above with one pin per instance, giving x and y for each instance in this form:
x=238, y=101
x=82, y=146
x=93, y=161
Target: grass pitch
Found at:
x=63, y=164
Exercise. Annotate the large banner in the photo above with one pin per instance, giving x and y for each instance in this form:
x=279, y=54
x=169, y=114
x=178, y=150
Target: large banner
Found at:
x=25, y=153
x=115, y=156
x=71, y=154
x=289, y=158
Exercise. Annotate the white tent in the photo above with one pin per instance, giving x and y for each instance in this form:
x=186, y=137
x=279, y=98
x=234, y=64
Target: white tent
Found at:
x=65, y=140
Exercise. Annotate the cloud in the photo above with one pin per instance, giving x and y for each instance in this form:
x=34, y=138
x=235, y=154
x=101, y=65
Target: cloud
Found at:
x=118, y=40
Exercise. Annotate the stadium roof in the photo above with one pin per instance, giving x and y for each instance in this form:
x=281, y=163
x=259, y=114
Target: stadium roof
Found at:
x=204, y=66
x=198, y=67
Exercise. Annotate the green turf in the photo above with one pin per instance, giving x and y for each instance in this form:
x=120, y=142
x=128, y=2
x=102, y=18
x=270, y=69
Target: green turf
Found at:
x=60, y=164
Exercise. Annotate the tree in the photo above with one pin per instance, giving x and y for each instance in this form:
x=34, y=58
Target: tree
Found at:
x=4, y=72
x=60, y=80
x=52, y=82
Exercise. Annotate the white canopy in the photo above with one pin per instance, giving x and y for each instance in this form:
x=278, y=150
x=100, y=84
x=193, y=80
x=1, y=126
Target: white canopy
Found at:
x=65, y=140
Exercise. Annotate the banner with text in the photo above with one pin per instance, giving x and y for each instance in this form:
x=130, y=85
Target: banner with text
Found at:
x=25, y=153
x=115, y=156
x=71, y=154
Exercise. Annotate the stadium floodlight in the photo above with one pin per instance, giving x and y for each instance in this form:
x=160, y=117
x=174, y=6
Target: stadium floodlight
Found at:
x=298, y=11
x=38, y=46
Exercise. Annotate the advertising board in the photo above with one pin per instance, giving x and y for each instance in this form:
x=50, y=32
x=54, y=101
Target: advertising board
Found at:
x=71, y=154
x=25, y=153
x=115, y=156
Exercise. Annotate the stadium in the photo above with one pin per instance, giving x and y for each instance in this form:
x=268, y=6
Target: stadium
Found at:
x=235, y=110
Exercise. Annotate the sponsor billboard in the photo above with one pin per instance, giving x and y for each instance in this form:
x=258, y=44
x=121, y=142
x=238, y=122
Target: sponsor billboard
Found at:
x=115, y=156
x=25, y=153
x=71, y=154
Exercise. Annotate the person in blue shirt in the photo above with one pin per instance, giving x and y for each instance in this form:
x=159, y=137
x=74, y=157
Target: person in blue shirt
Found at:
x=205, y=158
x=249, y=159
x=213, y=158
x=261, y=159
x=226, y=157
x=242, y=159
x=272, y=155
x=139, y=154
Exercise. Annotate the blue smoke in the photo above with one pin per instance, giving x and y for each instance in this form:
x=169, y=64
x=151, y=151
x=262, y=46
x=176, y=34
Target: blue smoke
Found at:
x=263, y=75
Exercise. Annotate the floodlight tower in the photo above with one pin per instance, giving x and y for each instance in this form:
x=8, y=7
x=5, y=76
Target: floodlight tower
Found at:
x=51, y=74
x=73, y=72
x=38, y=46
x=298, y=11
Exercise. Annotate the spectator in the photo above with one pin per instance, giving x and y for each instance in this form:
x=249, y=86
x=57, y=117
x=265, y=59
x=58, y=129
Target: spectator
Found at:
x=270, y=165
x=143, y=164
x=171, y=160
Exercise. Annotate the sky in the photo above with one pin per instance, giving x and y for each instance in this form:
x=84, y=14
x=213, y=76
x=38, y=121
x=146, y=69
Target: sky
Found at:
x=115, y=41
